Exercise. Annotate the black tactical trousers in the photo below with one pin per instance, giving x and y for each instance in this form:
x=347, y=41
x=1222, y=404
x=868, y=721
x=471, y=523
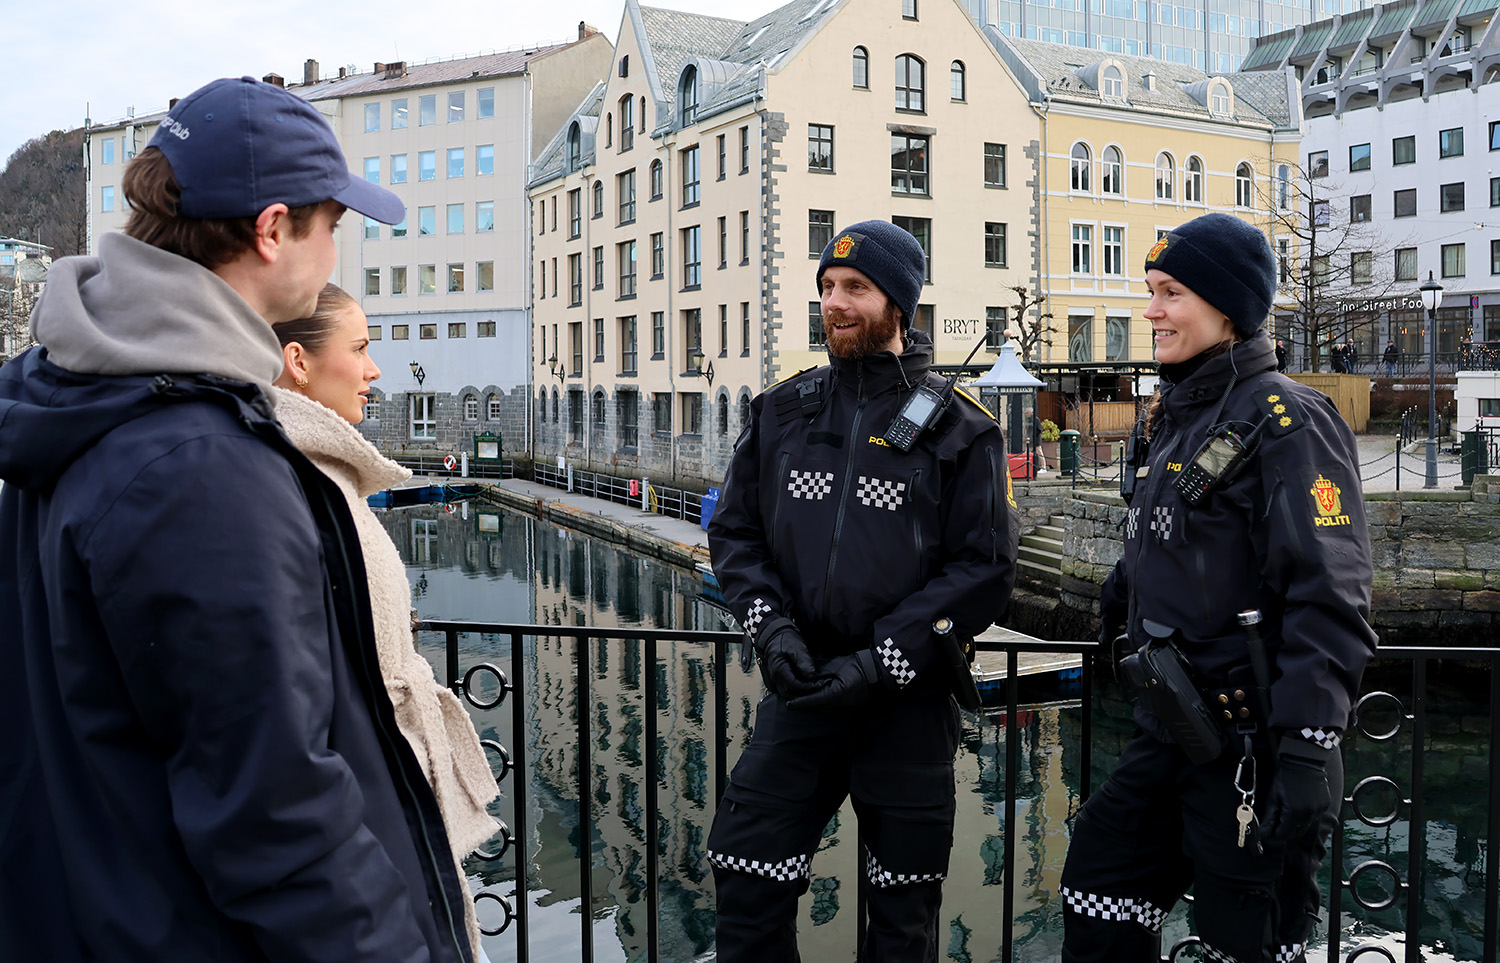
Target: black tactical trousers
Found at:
x=895, y=759
x=1161, y=825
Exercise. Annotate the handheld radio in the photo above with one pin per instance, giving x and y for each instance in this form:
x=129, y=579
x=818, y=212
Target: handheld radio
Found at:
x=922, y=407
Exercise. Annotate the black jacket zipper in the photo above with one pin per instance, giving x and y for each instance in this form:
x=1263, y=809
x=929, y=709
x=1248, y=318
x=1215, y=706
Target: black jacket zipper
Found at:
x=838, y=524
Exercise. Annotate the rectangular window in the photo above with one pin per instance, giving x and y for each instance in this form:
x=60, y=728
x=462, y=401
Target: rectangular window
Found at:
x=994, y=244
x=1495, y=135
x=658, y=334
x=1495, y=257
x=398, y=280
x=1489, y=407
x=819, y=232
x=1321, y=213
x=661, y=406
x=484, y=160
x=372, y=282
x=1317, y=164
x=627, y=345
x=1359, y=208
x=372, y=170
x=1495, y=192
x=690, y=176
x=723, y=330
x=1362, y=267
x=1080, y=337
x=486, y=102
x=1404, y=150
x=426, y=221
x=575, y=212
x=575, y=414
x=457, y=329
x=486, y=329
x=625, y=253
x=625, y=188
x=106, y=198
x=455, y=218
x=427, y=165
x=455, y=278
x=455, y=162
x=484, y=217
x=373, y=332
x=1406, y=264
x=1453, y=261
x=598, y=339
x=575, y=280
x=627, y=122
x=1451, y=197
x=923, y=320
x=909, y=164
x=575, y=341
x=909, y=9
x=484, y=278
x=427, y=110
x=107, y=145
x=1451, y=142
x=692, y=413
x=1116, y=337
x=1114, y=258
x=744, y=329
x=816, y=336
x=398, y=229
x=629, y=418
x=921, y=229
x=723, y=241
x=723, y=159
x=372, y=229
x=994, y=327
x=456, y=107
x=598, y=267
x=400, y=332
x=820, y=147
x=994, y=165
x=1359, y=157
x=1406, y=202
x=658, y=255
x=372, y=118
x=427, y=332
x=423, y=416
x=744, y=150
x=398, y=168
x=744, y=237
x=1083, y=249
x=692, y=257
x=692, y=339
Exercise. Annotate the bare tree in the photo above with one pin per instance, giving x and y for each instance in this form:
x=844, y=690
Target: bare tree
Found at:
x=1031, y=328
x=16, y=302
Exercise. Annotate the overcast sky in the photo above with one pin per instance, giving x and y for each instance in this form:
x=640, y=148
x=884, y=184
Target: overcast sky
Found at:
x=70, y=59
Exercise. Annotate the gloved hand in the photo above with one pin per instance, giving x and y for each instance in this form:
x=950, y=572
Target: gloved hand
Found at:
x=785, y=664
x=1299, y=791
x=844, y=682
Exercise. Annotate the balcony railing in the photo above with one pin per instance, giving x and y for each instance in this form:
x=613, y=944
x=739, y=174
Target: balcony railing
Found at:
x=1383, y=719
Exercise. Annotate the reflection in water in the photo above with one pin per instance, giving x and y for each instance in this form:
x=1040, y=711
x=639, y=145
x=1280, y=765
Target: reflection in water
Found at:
x=479, y=563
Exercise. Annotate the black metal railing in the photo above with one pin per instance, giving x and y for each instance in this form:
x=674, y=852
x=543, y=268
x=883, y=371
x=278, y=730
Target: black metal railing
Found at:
x=661, y=499
x=436, y=464
x=1409, y=733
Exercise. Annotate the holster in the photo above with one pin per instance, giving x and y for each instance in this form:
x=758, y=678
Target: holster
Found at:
x=958, y=654
x=1160, y=676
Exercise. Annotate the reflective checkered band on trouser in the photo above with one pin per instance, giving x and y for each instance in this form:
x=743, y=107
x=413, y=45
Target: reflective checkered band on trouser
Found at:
x=757, y=614
x=789, y=869
x=895, y=662
x=1119, y=909
x=1327, y=738
x=883, y=877
x=1284, y=954
x=1214, y=955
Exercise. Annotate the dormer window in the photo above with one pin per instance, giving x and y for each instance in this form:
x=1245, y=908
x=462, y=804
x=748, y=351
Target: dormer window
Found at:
x=575, y=147
x=1220, y=99
x=1112, y=83
x=687, y=94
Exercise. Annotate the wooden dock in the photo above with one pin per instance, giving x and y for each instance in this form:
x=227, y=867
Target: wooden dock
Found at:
x=990, y=667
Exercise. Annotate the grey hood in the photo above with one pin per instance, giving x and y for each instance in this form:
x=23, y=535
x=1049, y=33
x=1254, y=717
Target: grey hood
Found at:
x=135, y=309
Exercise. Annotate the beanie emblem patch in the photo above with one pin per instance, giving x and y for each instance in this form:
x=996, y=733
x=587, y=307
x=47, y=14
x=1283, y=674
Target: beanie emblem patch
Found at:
x=1158, y=247
x=846, y=246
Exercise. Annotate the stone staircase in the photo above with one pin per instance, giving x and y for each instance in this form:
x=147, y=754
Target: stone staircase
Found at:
x=1040, y=555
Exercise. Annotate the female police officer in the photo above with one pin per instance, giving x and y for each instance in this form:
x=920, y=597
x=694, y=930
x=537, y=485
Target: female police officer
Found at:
x=1241, y=603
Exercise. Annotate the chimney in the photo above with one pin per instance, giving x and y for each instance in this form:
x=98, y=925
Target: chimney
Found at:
x=310, y=72
x=343, y=72
x=379, y=67
x=275, y=80
x=395, y=70
x=1148, y=80
x=586, y=31
x=173, y=102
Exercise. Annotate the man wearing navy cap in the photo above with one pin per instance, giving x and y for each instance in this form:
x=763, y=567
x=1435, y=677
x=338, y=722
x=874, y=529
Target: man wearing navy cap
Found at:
x=855, y=564
x=198, y=760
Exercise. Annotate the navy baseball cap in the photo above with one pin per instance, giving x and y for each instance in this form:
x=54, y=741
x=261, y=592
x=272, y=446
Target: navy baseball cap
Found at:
x=237, y=146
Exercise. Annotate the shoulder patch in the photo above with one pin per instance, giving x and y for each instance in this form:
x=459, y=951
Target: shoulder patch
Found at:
x=974, y=401
x=1278, y=404
x=795, y=374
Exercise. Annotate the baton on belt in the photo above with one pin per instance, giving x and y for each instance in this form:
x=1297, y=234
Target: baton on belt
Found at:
x=958, y=653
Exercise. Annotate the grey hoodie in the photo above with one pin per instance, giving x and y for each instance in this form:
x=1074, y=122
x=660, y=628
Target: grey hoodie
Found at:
x=135, y=309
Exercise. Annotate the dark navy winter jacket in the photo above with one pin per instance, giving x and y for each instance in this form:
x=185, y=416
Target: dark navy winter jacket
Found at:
x=197, y=757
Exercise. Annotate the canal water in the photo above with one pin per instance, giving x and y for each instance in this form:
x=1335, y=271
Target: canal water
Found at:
x=476, y=562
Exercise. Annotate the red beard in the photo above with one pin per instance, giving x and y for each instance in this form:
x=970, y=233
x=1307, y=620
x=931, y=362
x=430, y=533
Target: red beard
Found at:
x=869, y=336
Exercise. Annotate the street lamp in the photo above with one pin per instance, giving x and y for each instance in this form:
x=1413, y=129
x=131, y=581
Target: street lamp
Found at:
x=1432, y=296
x=696, y=358
x=418, y=373
x=560, y=371
x=709, y=374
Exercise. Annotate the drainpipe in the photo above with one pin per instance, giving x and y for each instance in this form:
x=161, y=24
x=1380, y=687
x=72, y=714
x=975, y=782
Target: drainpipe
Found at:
x=1044, y=288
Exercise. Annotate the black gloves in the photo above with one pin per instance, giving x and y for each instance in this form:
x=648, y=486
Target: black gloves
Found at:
x=1299, y=791
x=785, y=664
x=844, y=682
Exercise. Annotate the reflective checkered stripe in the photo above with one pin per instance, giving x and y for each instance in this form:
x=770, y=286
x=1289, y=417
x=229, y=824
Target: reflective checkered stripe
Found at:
x=810, y=484
x=895, y=662
x=1118, y=909
x=1215, y=955
x=757, y=614
x=1289, y=954
x=789, y=869
x=1326, y=738
x=1133, y=522
x=883, y=877
x=1161, y=522
x=879, y=493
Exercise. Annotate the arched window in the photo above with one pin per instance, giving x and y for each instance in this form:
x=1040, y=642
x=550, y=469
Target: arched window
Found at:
x=1244, y=186
x=656, y=180
x=1283, y=187
x=554, y=406
x=471, y=408
x=596, y=413
x=911, y=83
x=492, y=407
x=642, y=121
x=1112, y=171
x=1165, y=167
x=723, y=413
x=744, y=409
x=598, y=198
x=609, y=130
x=1112, y=83
x=956, y=80
x=627, y=123
x=687, y=96
x=372, y=406
x=1192, y=186
x=862, y=68
x=575, y=147
x=1078, y=168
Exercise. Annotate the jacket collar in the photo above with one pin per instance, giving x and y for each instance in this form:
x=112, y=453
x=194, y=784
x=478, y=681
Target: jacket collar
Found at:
x=1212, y=379
x=886, y=371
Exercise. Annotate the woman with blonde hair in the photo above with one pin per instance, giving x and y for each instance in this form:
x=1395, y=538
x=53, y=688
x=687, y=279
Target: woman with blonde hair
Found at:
x=320, y=396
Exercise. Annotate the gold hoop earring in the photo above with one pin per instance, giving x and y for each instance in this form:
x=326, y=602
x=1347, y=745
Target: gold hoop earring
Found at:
x=300, y=382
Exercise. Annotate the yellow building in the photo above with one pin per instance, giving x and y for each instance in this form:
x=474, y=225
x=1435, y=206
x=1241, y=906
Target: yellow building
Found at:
x=1130, y=148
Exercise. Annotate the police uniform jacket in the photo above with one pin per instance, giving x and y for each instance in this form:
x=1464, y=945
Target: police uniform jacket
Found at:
x=1286, y=536
x=857, y=542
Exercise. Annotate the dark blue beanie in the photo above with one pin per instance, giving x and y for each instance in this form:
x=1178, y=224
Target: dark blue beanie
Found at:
x=887, y=255
x=1224, y=261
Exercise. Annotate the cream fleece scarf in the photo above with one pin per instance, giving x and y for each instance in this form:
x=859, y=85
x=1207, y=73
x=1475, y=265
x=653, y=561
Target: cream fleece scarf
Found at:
x=429, y=715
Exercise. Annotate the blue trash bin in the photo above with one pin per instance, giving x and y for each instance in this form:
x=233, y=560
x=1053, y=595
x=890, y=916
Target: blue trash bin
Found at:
x=710, y=502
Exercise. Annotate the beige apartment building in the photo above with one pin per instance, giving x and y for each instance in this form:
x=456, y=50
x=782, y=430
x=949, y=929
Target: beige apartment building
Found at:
x=678, y=214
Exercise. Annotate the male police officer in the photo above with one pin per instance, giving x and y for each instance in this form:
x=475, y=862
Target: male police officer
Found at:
x=855, y=567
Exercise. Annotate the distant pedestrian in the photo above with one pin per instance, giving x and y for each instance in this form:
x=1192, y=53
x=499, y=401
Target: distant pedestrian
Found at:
x=1351, y=357
x=1034, y=425
x=1391, y=357
x=1280, y=355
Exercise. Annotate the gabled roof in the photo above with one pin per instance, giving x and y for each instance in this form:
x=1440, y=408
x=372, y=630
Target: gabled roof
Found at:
x=550, y=162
